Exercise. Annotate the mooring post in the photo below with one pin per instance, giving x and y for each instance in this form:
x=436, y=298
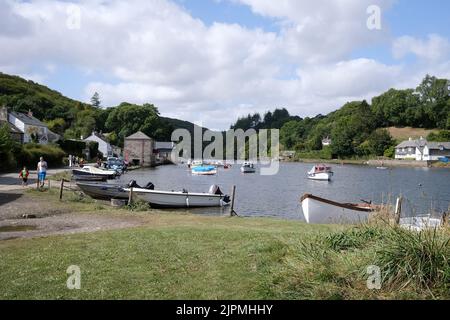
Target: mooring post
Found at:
x=233, y=194
x=61, y=188
x=130, y=196
x=37, y=182
x=398, y=210
x=48, y=181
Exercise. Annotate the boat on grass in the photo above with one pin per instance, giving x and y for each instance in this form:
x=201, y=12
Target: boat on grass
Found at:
x=420, y=223
x=317, y=210
x=182, y=199
x=320, y=172
x=248, y=167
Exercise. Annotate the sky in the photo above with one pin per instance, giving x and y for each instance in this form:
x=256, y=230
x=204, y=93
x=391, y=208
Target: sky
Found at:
x=211, y=61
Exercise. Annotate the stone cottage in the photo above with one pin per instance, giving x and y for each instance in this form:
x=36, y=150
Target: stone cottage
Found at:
x=139, y=150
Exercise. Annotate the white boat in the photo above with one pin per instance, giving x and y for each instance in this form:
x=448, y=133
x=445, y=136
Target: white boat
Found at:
x=248, y=167
x=420, y=223
x=320, y=172
x=204, y=170
x=318, y=210
x=93, y=171
x=182, y=199
x=195, y=163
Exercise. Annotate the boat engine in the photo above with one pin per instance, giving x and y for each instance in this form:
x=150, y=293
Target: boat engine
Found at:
x=214, y=189
x=133, y=184
x=149, y=186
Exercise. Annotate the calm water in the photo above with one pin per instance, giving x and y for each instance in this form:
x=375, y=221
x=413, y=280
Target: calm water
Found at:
x=425, y=189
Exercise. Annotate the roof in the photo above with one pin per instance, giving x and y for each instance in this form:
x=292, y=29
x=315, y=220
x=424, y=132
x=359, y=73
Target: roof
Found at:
x=138, y=136
x=422, y=143
x=439, y=145
x=27, y=119
x=98, y=135
x=164, y=145
x=413, y=143
x=12, y=128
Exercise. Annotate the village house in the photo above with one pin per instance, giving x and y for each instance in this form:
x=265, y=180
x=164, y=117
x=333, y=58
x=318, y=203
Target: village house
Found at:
x=163, y=151
x=15, y=133
x=326, y=142
x=31, y=129
x=422, y=150
x=139, y=150
x=103, y=145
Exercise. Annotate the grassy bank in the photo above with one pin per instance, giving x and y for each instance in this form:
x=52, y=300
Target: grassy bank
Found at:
x=183, y=256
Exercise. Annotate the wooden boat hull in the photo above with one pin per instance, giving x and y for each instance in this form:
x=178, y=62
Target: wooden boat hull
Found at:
x=168, y=199
x=103, y=191
x=318, y=210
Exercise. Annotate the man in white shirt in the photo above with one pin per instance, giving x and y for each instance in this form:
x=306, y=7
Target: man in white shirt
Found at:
x=42, y=171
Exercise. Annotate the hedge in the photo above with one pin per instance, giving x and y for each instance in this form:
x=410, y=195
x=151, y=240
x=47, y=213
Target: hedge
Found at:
x=31, y=152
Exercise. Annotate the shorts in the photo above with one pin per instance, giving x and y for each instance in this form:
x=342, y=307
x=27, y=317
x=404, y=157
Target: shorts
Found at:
x=24, y=179
x=42, y=175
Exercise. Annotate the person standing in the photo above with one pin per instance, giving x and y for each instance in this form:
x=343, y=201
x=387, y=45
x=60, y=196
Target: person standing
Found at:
x=24, y=175
x=70, y=161
x=42, y=171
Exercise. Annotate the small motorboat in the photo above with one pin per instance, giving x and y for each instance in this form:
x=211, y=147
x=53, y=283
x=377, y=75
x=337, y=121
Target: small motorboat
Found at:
x=93, y=171
x=107, y=191
x=248, y=167
x=204, y=170
x=182, y=199
x=319, y=210
x=382, y=168
x=320, y=172
x=195, y=163
x=89, y=178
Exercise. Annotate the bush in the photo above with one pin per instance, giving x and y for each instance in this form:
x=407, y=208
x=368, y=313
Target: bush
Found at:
x=73, y=147
x=30, y=153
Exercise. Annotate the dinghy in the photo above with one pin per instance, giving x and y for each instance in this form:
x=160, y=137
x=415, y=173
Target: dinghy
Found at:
x=182, y=199
x=108, y=191
x=204, y=170
x=318, y=210
x=320, y=172
x=248, y=167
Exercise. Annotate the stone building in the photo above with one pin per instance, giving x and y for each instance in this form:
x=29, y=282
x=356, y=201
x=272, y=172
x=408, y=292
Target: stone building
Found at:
x=139, y=150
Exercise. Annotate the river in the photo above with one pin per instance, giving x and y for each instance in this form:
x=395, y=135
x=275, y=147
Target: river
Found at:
x=424, y=189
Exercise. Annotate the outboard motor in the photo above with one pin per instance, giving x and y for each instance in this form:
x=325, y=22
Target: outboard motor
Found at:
x=133, y=184
x=149, y=186
x=214, y=189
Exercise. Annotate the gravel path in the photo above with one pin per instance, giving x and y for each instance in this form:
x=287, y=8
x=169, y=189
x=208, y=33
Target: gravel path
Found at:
x=25, y=216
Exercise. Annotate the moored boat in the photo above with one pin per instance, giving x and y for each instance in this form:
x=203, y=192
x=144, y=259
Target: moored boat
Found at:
x=103, y=191
x=248, y=167
x=182, y=199
x=320, y=172
x=93, y=171
x=420, y=223
x=319, y=210
x=204, y=170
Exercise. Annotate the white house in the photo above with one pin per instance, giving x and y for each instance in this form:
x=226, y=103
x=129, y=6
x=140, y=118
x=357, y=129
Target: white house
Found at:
x=103, y=145
x=326, y=142
x=32, y=128
x=422, y=150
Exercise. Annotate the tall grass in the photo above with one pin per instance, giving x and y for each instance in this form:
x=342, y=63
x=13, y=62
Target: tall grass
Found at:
x=420, y=259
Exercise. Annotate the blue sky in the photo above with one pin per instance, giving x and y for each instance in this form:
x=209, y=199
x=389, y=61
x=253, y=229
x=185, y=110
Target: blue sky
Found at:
x=213, y=60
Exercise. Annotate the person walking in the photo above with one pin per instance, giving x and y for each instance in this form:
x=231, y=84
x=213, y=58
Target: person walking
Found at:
x=24, y=173
x=42, y=171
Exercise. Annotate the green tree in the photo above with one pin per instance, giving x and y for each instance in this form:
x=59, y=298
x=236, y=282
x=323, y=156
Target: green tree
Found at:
x=95, y=100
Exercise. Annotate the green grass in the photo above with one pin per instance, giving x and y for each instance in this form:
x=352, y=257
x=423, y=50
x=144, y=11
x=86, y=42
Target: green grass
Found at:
x=183, y=256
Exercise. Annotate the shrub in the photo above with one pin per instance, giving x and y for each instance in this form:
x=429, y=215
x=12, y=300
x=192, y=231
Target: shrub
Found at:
x=354, y=238
x=30, y=153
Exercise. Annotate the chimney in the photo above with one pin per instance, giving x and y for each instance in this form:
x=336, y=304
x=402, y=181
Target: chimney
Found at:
x=30, y=113
x=3, y=114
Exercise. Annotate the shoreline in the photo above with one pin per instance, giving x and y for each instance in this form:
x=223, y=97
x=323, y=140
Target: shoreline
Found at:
x=375, y=163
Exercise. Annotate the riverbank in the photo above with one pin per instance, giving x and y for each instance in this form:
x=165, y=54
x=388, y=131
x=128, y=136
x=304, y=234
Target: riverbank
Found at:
x=377, y=163
x=157, y=254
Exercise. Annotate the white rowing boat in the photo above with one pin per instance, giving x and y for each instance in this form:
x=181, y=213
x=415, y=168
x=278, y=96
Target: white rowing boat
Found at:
x=248, y=167
x=319, y=210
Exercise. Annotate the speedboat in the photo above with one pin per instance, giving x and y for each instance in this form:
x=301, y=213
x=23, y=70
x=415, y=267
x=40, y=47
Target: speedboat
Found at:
x=248, y=167
x=93, y=171
x=319, y=210
x=182, y=199
x=320, y=172
x=204, y=170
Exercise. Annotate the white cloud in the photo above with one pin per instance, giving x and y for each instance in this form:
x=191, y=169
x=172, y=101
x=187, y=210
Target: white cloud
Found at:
x=154, y=51
x=434, y=48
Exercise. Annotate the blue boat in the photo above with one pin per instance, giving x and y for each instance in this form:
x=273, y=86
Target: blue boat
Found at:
x=204, y=170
